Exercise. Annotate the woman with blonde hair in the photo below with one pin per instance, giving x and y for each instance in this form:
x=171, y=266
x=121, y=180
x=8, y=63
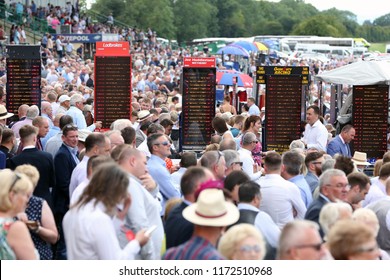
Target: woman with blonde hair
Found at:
x=38, y=217
x=89, y=231
x=15, y=239
x=242, y=242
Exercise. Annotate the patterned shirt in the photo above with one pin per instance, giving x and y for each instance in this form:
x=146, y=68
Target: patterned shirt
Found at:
x=197, y=248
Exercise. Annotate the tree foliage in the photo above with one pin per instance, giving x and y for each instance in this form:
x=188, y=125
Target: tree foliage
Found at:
x=185, y=20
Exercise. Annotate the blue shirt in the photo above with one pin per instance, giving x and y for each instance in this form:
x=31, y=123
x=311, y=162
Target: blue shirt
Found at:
x=196, y=248
x=254, y=110
x=158, y=170
x=79, y=119
x=304, y=188
x=52, y=131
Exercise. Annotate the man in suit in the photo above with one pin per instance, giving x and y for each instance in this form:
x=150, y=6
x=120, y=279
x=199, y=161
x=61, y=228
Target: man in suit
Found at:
x=65, y=161
x=177, y=229
x=43, y=161
x=340, y=144
x=333, y=186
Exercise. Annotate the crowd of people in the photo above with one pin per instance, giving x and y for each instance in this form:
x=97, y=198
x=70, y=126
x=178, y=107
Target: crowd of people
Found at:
x=72, y=191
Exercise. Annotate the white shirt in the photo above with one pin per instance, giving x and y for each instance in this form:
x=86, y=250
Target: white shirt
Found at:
x=90, y=235
x=264, y=223
x=176, y=177
x=247, y=164
x=279, y=197
x=375, y=193
x=143, y=147
x=316, y=136
x=143, y=213
x=78, y=191
x=79, y=174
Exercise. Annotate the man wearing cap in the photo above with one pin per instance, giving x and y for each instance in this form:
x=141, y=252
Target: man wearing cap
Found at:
x=4, y=115
x=64, y=102
x=210, y=215
x=316, y=134
x=340, y=144
x=76, y=112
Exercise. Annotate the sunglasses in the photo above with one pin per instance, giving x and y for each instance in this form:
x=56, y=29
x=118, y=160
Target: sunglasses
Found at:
x=166, y=143
x=238, y=162
x=368, y=250
x=316, y=247
x=249, y=248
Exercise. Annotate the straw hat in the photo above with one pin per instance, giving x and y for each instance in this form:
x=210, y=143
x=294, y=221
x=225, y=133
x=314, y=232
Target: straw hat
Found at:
x=211, y=209
x=143, y=115
x=83, y=134
x=360, y=158
x=4, y=113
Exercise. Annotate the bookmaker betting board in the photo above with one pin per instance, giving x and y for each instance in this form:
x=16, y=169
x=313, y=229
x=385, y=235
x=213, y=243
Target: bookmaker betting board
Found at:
x=112, y=82
x=369, y=118
x=284, y=104
x=198, y=108
x=23, y=76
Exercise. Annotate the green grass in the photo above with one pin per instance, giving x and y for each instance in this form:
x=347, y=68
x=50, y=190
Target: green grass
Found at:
x=378, y=47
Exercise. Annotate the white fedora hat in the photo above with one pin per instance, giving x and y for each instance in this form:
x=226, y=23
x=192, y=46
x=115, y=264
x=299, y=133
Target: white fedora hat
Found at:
x=4, y=113
x=360, y=158
x=211, y=209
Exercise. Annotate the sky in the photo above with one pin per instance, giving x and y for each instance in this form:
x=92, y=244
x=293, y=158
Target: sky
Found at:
x=363, y=9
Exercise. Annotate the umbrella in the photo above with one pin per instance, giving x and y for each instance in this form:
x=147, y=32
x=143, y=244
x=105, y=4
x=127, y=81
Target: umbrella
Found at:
x=260, y=46
x=246, y=45
x=225, y=77
x=359, y=73
x=234, y=50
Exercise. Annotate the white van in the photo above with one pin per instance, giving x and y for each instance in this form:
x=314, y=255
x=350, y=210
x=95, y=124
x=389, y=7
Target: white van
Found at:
x=339, y=52
x=313, y=48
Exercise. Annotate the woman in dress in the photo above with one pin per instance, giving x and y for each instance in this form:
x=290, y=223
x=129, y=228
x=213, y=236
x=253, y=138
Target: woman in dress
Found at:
x=15, y=239
x=253, y=124
x=226, y=107
x=88, y=225
x=38, y=217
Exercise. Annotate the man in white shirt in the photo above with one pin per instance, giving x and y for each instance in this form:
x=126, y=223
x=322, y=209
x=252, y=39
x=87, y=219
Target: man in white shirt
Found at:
x=316, y=134
x=187, y=159
x=249, y=142
x=95, y=144
x=377, y=190
x=281, y=198
x=144, y=210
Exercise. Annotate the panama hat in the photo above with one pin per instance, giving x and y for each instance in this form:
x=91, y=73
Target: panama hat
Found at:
x=4, y=113
x=211, y=209
x=83, y=134
x=360, y=158
x=143, y=115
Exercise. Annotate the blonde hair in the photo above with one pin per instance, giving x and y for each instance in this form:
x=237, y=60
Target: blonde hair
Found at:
x=236, y=234
x=331, y=213
x=30, y=171
x=18, y=183
x=368, y=217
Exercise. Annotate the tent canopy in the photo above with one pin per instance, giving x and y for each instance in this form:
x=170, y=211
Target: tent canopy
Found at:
x=359, y=73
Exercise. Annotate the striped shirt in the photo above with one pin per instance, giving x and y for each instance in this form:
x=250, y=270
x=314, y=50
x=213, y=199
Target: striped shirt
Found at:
x=197, y=248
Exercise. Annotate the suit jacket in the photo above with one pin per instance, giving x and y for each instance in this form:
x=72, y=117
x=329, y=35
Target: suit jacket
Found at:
x=313, y=212
x=43, y=161
x=8, y=155
x=336, y=146
x=64, y=164
x=177, y=229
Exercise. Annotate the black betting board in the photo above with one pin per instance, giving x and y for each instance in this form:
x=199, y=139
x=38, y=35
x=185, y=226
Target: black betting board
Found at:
x=23, y=76
x=283, y=111
x=369, y=118
x=112, y=89
x=198, y=108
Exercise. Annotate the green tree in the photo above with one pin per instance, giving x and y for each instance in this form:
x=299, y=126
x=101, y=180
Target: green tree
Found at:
x=383, y=20
x=194, y=19
x=321, y=25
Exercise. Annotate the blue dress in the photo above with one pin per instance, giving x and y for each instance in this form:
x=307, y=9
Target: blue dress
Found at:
x=34, y=213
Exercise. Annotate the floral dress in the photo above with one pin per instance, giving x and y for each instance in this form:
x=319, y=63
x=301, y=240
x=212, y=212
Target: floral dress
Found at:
x=6, y=253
